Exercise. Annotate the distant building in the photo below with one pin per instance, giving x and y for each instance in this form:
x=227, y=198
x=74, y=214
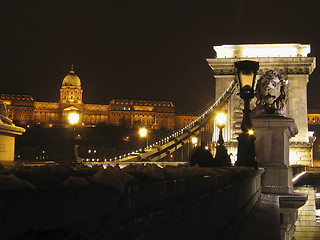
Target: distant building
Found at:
x=314, y=116
x=20, y=108
x=24, y=111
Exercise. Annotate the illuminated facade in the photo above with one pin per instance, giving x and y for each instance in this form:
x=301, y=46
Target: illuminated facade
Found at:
x=155, y=114
x=20, y=107
x=289, y=59
x=23, y=110
x=314, y=116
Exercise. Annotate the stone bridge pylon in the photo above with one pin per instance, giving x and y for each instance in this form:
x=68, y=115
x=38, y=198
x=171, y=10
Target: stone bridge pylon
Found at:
x=292, y=61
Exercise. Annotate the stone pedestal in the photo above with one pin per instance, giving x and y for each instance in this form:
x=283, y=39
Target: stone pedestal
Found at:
x=272, y=152
x=8, y=132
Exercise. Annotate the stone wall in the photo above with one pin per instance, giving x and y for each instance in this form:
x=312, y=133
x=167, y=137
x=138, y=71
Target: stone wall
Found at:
x=202, y=207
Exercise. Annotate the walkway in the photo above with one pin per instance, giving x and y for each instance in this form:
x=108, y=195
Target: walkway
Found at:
x=263, y=222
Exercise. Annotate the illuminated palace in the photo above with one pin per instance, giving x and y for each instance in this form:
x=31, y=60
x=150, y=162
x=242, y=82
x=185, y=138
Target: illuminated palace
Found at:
x=24, y=111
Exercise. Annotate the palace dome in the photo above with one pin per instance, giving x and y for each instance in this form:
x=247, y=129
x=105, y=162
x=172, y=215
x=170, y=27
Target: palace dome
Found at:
x=71, y=80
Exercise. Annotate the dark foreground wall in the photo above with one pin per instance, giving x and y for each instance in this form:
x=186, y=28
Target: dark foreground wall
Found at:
x=203, y=207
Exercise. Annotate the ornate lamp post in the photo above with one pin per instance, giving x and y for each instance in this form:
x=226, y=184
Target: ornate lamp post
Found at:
x=143, y=132
x=222, y=158
x=221, y=119
x=73, y=118
x=247, y=71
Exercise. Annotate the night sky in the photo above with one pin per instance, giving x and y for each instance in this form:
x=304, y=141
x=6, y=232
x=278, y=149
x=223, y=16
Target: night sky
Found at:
x=153, y=50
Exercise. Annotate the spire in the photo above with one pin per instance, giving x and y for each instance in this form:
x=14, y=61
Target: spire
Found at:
x=72, y=71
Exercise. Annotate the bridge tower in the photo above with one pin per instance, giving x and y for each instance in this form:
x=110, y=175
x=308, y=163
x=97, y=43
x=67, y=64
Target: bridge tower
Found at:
x=289, y=59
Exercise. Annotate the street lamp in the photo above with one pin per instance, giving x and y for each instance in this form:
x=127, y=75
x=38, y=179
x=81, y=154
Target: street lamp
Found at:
x=73, y=118
x=144, y=133
x=247, y=71
x=221, y=119
x=222, y=158
x=194, y=141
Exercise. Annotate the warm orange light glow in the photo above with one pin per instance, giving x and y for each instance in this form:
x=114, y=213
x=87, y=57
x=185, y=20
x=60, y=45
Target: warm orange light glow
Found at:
x=73, y=118
x=143, y=132
x=221, y=118
x=251, y=132
x=246, y=79
x=194, y=140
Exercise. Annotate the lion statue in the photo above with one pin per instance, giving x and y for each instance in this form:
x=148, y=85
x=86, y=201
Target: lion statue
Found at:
x=272, y=94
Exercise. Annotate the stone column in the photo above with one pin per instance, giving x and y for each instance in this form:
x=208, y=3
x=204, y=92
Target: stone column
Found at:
x=272, y=152
x=7, y=142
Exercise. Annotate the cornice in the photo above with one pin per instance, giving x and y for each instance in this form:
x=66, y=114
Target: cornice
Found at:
x=285, y=65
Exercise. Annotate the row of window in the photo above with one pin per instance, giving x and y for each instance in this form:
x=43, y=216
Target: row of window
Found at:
x=21, y=116
x=138, y=115
x=20, y=110
x=313, y=120
x=71, y=97
x=145, y=104
x=4, y=97
x=165, y=122
x=47, y=107
x=66, y=92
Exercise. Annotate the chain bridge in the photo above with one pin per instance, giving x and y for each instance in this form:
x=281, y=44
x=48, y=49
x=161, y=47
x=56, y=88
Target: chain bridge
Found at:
x=171, y=144
x=291, y=60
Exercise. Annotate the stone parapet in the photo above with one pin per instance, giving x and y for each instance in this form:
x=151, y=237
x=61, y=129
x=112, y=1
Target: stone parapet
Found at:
x=212, y=205
x=8, y=132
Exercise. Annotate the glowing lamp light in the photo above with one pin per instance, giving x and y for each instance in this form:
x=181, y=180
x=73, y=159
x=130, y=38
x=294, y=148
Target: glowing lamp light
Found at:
x=251, y=132
x=247, y=71
x=143, y=132
x=194, y=140
x=221, y=119
x=73, y=118
x=246, y=79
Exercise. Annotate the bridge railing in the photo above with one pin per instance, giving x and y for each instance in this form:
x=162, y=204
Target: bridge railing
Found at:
x=169, y=144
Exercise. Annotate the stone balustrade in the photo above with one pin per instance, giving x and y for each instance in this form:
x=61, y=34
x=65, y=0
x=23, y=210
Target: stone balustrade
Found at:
x=207, y=204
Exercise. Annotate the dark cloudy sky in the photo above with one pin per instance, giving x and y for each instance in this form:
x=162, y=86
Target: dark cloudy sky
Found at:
x=141, y=49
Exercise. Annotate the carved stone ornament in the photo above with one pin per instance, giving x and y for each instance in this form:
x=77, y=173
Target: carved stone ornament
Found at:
x=4, y=115
x=272, y=94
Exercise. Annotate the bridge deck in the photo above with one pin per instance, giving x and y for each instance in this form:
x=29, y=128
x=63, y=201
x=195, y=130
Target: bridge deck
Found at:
x=263, y=222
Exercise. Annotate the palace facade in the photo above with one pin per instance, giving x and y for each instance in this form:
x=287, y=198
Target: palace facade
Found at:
x=24, y=111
